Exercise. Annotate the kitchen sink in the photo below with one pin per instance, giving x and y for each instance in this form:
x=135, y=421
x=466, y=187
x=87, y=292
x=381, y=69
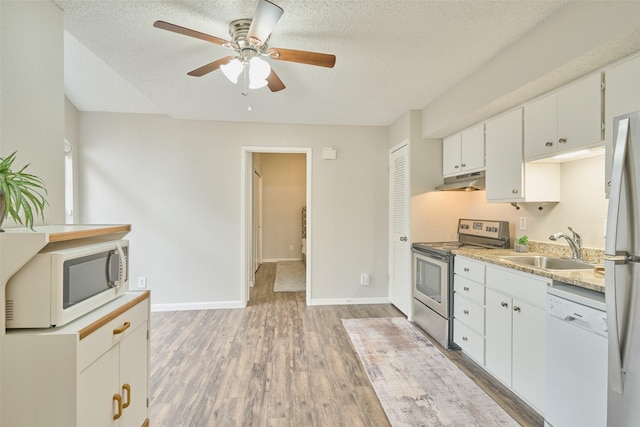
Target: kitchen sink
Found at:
x=548, y=263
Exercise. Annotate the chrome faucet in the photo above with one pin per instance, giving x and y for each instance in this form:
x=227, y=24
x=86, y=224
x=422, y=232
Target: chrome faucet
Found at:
x=575, y=242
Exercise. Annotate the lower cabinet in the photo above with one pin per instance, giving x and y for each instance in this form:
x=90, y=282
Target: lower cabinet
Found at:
x=91, y=372
x=515, y=332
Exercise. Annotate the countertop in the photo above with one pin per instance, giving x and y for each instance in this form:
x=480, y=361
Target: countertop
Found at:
x=587, y=279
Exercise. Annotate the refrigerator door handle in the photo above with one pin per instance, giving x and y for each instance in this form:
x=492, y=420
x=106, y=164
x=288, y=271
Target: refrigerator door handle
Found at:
x=616, y=372
x=617, y=170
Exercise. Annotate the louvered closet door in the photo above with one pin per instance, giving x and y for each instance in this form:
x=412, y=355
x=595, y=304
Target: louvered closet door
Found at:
x=399, y=244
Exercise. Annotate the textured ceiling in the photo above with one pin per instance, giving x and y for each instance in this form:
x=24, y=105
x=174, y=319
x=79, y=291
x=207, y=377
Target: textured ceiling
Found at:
x=392, y=56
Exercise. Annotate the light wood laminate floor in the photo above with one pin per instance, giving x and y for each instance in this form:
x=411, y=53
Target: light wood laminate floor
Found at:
x=275, y=363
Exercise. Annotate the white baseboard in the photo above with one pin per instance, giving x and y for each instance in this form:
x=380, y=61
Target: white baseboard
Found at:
x=349, y=301
x=214, y=305
x=280, y=259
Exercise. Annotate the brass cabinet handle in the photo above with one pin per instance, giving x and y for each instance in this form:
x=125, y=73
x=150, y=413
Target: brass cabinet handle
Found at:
x=504, y=304
x=118, y=399
x=124, y=327
x=516, y=308
x=127, y=388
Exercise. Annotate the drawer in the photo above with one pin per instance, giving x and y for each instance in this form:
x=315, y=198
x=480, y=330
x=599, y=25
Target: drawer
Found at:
x=99, y=340
x=473, y=270
x=469, y=313
x=468, y=289
x=523, y=286
x=471, y=342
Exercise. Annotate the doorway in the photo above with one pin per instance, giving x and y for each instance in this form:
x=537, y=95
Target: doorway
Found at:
x=252, y=230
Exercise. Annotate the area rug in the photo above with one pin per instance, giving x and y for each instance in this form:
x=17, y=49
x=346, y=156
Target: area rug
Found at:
x=291, y=276
x=415, y=383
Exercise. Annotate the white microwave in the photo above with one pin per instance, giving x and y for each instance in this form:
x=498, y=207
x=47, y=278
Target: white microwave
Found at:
x=65, y=281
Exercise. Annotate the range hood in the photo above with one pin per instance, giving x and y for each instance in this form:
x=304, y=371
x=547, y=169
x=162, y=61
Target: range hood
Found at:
x=467, y=182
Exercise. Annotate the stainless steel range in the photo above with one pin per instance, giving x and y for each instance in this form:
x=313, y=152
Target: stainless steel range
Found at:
x=433, y=274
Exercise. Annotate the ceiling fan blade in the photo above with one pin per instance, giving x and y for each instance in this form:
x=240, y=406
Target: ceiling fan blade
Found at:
x=189, y=32
x=212, y=66
x=274, y=82
x=303, y=57
x=264, y=20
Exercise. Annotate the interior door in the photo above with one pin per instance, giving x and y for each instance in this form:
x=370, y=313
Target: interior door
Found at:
x=257, y=219
x=399, y=242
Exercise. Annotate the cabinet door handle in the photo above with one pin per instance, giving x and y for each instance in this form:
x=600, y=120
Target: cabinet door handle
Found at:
x=549, y=144
x=457, y=166
x=122, y=329
x=126, y=388
x=463, y=165
x=466, y=289
x=516, y=308
x=403, y=238
x=465, y=311
x=514, y=191
x=504, y=304
x=118, y=399
x=562, y=140
x=464, y=339
x=466, y=270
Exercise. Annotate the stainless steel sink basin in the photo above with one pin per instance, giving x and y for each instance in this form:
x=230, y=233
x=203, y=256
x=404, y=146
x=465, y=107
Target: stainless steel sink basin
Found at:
x=548, y=263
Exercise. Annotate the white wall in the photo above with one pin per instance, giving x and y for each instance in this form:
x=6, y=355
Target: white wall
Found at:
x=283, y=197
x=583, y=206
x=32, y=88
x=178, y=183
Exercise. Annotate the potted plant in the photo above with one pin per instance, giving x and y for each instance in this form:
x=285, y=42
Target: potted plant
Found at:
x=21, y=194
x=522, y=244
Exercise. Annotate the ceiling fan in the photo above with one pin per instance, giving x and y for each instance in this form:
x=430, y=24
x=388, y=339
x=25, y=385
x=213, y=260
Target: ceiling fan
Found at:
x=249, y=39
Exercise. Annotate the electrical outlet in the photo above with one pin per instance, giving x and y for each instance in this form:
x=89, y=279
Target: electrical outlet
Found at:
x=291, y=247
x=523, y=223
x=364, y=279
x=142, y=282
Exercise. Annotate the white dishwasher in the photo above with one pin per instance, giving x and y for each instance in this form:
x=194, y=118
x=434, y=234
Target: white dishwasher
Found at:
x=576, y=358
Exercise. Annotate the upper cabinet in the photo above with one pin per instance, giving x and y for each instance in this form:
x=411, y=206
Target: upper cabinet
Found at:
x=564, y=120
x=463, y=152
x=509, y=179
x=622, y=95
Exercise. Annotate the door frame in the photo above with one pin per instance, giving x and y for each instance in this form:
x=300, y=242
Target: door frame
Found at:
x=246, y=214
x=257, y=225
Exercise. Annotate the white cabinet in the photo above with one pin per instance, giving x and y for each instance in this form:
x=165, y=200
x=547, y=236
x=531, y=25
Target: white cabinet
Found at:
x=622, y=96
x=508, y=178
x=468, y=323
x=565, y=120
x=515, y=331
x=91, y=372
x=464, y=151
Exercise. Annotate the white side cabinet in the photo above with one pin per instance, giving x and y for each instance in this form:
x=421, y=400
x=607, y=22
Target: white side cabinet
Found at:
x=515, y=331
x=564, y=120
x=91, y=372
x=622, y=96
x=464, y=151
x=508, y=178
x=468, y=323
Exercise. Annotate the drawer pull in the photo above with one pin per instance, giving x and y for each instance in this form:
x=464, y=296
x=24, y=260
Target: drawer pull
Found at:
x=504, y=304
x=118, y=399
x=466, y=270
x=465, y=339
x=516, y=308
x=549, y=144
x=466, y=289
x=465, y=311
x=122, y=329
x=127, y=388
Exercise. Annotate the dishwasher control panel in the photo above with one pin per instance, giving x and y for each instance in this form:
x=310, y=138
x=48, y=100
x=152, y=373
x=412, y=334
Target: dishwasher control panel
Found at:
x=579, y=315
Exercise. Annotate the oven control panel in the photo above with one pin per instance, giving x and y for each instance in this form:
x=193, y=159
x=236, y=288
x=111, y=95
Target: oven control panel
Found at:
x=481, y=228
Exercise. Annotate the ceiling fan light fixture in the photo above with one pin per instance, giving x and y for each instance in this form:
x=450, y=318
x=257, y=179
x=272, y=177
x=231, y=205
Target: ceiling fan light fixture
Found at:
x=265, y=18
x=259, y=70
x=232, y=70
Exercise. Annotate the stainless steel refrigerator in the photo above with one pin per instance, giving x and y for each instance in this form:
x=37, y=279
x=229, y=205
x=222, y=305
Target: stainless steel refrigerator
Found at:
x=622, y=275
